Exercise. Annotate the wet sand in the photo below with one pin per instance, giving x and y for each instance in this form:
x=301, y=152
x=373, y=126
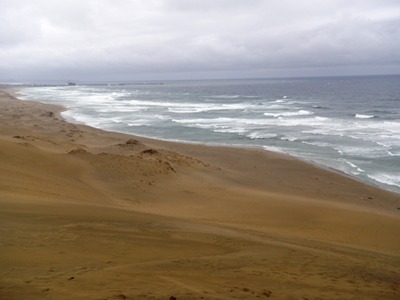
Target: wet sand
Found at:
x=89, y=214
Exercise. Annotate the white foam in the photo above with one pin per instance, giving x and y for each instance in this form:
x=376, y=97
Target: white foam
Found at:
x=120, y=94
x=383, y=144
x=274, y=149
x=77, y=117
x=238, y=130
x=360, y=116
x=139, y=122
x=390, y=179
x=354, y=166
x=289, y=138
x=391, y=153
x=390, y=126
x=187, y=110
x=316, y=121
x=186, y=107
x=202, y=120
x=290, y=114
x=162, y=117
x=309, y=122
x=259, y=135
x=318, y=144
x=387, y=132
x=215, y=121
x=70, y=116
x=236, y=106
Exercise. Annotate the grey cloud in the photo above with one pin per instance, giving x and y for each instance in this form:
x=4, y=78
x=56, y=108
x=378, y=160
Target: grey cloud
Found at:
x=155, y=38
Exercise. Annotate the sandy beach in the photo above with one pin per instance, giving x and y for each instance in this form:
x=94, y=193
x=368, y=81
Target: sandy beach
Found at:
x=89, y=214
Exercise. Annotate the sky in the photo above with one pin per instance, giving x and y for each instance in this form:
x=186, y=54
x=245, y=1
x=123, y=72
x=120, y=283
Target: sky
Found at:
x=123, y=40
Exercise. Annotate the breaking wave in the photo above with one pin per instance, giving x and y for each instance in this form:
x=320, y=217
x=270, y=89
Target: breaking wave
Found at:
x=360, y=136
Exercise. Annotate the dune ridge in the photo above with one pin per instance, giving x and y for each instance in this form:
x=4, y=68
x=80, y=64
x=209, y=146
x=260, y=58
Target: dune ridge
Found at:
x=89, y=214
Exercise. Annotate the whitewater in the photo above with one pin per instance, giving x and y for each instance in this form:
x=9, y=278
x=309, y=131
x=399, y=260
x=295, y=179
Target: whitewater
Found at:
x=350, y=124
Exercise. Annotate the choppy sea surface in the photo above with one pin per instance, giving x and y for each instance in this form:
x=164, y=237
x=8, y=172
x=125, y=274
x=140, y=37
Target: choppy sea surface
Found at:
x=351, y=124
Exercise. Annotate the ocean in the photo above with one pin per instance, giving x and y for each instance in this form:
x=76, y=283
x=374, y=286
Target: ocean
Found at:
x=350, y=124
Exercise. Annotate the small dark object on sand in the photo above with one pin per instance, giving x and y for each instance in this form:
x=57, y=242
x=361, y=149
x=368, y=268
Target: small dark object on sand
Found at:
x=132, y=142
x=149, y=151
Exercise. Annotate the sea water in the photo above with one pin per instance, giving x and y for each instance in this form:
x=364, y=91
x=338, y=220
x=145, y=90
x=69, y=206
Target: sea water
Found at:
x=351, y=124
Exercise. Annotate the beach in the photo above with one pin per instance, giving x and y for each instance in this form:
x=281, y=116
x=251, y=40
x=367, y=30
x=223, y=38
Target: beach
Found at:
x=90, y=214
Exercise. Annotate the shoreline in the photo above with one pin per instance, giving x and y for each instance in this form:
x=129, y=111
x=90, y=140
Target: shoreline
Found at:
x=187, y=148
x=91, y=214
x=370, y=182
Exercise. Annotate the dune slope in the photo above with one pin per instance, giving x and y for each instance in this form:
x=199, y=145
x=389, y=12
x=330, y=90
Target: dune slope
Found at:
x=88, y=214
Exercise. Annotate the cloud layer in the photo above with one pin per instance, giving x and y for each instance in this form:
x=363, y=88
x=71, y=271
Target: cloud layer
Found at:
x=160, y=39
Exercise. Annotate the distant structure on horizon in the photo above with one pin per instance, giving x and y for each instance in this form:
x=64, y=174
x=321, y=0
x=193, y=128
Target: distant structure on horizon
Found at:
x=71, y=83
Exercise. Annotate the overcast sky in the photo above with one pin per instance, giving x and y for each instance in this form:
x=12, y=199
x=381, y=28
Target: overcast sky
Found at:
x=177, y=39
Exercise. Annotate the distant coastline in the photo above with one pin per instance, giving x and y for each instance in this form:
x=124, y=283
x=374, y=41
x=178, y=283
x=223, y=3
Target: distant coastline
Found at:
x=7, y=83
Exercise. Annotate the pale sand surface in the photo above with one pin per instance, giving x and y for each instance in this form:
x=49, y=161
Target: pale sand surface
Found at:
x=86, y=215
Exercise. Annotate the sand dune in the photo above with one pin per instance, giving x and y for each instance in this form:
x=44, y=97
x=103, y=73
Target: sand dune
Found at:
x=88, y=214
